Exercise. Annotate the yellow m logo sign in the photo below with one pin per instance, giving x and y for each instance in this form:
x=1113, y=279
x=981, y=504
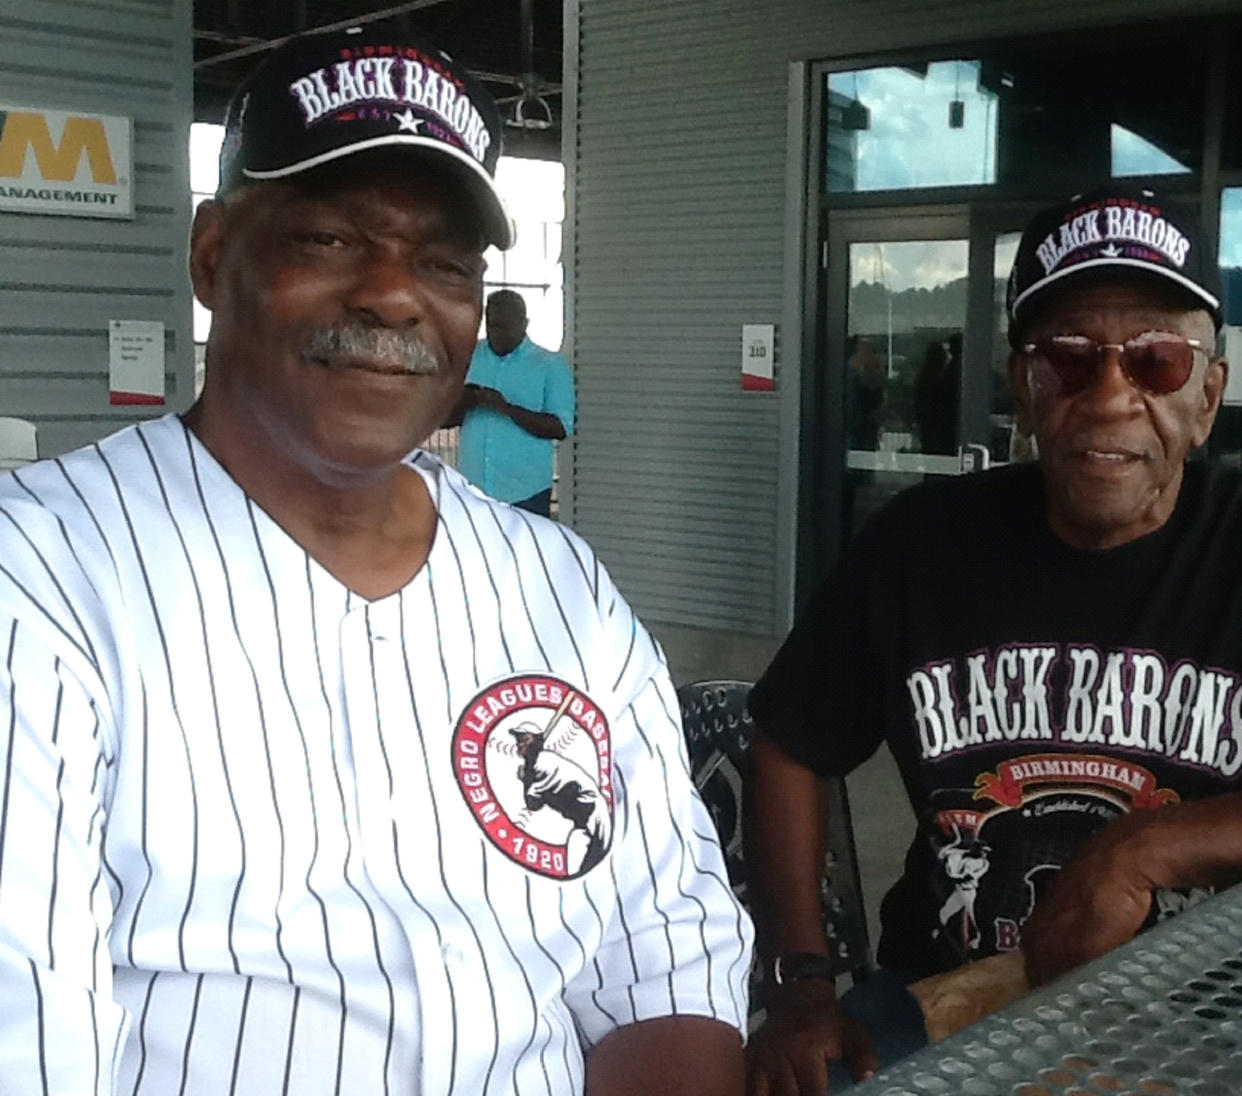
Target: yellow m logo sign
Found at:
x=21, y=131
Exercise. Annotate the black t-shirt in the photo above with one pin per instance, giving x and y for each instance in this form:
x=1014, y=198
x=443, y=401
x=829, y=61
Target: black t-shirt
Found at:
x=1029, y=692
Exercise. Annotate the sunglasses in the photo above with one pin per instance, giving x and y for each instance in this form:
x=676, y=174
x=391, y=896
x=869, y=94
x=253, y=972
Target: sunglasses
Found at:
x=1158, y=362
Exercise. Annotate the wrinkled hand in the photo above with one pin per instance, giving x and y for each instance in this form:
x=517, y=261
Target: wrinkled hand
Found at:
x=1097, y=901
x=805, y=1030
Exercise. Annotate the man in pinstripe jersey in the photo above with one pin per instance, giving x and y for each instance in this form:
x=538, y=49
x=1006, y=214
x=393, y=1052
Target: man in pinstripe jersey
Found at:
x=270, y=685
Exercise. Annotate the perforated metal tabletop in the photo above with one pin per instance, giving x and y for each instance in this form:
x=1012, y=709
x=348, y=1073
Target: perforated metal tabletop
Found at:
x=1160, y=1016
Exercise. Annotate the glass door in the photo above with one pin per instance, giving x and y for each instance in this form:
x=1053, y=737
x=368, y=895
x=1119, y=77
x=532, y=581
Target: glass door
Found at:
x=904, y=317
x=913, y=369
x=895, y=316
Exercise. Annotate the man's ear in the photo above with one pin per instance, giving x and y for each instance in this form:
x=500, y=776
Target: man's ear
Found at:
x=1215, y=377
x=1023, y=404
x=205, y=239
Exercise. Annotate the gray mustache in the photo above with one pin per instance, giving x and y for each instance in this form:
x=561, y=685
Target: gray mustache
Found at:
x=353, y=340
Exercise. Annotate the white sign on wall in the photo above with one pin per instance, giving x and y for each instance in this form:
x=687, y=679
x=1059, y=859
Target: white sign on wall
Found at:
x=758, y=352
x=136, y=361
x=67, y=163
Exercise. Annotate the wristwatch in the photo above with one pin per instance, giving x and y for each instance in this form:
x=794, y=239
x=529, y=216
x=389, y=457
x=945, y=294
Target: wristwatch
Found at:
x=800, y=965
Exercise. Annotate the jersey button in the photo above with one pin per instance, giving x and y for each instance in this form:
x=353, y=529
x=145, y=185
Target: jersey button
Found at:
x=452, y=955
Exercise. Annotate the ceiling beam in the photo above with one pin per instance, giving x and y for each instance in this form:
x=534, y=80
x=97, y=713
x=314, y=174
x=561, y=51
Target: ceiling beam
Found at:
x=355, y=21
x=227, y=39
x=516, y=79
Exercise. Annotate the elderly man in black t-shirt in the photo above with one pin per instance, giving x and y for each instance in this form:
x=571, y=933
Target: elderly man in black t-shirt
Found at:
x=1051, y=652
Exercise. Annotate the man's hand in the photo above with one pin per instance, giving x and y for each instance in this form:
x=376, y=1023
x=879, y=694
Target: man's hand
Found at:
x=478, y=395
x=1103, y=896
x=1097, y=901
x=540, y=424
x=805, y=1030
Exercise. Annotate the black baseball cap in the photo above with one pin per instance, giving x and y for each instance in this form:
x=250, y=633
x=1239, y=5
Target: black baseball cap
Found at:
x=318, y=97
x=1109, y=234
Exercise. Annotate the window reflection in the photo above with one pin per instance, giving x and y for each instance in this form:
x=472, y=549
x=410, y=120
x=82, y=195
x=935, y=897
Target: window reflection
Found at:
x=1135, y=155
x=1226, y=441
x=892, y=128
x=903, y=362
x=1047, y=113
x=907, y=308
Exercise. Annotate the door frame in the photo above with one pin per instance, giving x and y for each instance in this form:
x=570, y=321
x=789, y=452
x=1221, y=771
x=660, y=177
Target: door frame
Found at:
x=827, y=444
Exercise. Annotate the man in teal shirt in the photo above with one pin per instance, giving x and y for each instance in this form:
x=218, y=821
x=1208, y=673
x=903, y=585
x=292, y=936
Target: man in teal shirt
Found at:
x=518, y=401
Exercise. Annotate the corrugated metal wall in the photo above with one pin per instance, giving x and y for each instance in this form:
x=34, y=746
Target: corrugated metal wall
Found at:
x=677, y=153
x=63, y=278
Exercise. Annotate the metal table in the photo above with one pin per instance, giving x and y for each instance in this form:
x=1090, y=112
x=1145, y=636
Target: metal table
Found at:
x=1159, y=1016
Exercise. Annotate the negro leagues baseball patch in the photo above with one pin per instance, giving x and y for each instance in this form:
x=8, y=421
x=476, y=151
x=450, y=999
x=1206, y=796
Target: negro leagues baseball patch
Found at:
x=533, y=758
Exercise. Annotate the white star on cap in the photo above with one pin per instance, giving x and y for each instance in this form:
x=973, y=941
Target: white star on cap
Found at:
x=1111, y=251
x=407, y=121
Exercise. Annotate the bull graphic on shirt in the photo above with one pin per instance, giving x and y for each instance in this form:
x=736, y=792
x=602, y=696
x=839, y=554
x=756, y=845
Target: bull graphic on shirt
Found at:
x=965, y=862
x=552, y=781
x=1038, y=879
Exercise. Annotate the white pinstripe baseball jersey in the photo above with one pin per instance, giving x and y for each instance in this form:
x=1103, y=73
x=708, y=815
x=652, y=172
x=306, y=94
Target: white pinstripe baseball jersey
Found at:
x=259, y=835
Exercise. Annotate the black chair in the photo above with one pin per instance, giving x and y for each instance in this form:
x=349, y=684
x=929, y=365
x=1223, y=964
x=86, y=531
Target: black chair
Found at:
x=718, y=727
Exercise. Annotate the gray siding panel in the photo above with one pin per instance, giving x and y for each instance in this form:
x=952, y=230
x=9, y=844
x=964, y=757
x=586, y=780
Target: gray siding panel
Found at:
x=48, y=395
x=63, y=278
x=677, y=244
x=677, y=154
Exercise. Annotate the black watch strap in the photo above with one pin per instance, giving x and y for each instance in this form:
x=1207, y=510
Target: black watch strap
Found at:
x=800, y=965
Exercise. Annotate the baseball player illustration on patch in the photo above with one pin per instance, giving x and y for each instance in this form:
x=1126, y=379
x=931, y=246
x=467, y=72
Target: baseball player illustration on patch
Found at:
x=552, y=811
x=965, y=862
x=550, y=780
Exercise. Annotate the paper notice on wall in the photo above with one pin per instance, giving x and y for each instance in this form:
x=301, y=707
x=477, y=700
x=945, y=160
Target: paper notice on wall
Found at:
x=136, y=361
x=758, y=352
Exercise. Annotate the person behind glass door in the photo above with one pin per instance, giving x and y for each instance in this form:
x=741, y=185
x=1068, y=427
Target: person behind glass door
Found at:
x=936, y=389
x=518, y=401
x=1031, y=643
x=865, y=382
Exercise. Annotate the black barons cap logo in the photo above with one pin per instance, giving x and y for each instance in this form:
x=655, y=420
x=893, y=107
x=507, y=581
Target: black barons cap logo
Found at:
x=320, y=97
x=412, y=88
x=1118, y=233
x=533, y=758
x=1111, y=228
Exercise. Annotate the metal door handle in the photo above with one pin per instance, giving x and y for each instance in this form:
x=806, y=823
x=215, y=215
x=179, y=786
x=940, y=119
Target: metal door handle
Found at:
x=974, y=457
